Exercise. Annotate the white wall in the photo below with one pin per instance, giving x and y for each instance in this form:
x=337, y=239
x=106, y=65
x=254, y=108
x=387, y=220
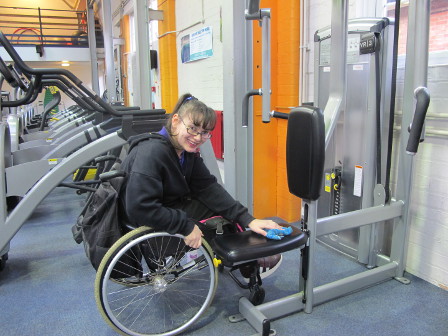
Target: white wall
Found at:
x=428, y=238
x=202, y=78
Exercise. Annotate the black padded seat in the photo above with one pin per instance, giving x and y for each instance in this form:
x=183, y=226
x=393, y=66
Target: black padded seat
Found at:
x=305, y=156
x=247, y=245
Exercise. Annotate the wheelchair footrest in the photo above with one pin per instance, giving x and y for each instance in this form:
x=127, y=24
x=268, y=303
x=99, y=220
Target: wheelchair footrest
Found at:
x=247, y=245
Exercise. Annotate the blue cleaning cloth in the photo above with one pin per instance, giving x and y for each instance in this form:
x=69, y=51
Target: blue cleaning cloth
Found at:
x=278, y=234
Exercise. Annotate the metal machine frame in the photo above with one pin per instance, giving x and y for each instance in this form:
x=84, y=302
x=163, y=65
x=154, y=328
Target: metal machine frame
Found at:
x=10, y=224
x=396, y=211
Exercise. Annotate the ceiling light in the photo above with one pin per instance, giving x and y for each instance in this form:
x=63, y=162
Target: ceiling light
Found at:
x=65, y=63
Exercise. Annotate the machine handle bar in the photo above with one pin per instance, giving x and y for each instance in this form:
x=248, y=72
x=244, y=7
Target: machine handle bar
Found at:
x=421, y=107
x=27, y=98
x=245, y=111
x=280, y=115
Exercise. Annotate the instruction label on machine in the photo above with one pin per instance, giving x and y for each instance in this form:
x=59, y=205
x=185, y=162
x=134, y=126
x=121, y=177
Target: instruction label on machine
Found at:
x=352, y=50
x=357, y=185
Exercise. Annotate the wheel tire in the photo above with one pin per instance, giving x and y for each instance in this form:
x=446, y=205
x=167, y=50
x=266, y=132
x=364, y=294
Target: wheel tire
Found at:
x=165, y=294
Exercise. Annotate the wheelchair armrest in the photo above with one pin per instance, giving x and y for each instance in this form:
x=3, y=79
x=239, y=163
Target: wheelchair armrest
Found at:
x=247, y=245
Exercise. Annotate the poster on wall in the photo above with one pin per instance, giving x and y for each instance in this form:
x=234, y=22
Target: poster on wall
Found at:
x=197, y=45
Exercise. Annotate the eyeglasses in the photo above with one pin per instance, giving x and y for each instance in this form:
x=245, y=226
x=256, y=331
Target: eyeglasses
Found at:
x=193, y=130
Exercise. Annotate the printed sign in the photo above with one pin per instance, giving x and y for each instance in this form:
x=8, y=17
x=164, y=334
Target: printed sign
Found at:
x=197, y=45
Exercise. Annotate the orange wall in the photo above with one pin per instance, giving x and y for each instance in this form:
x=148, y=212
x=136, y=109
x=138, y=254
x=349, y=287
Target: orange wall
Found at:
x=271, y=193
x=168, y=55
x=125, y=35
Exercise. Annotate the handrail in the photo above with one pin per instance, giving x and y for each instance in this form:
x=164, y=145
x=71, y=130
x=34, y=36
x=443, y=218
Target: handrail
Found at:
x=47, y=27
x=77, y=94
x=27, y=98
x=7, y=73
x=20, y=83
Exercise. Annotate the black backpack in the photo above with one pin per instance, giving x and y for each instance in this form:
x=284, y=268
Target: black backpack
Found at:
x=101, y=224
x=99, y=227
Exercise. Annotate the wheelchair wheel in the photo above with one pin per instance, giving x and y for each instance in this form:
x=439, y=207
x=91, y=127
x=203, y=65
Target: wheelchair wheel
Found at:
x=148, y=283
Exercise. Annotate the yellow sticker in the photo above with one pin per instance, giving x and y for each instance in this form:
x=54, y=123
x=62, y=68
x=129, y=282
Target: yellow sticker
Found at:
x=327, y=182
x=52, y=161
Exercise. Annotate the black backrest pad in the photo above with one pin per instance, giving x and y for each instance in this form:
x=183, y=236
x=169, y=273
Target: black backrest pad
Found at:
x=305, y=152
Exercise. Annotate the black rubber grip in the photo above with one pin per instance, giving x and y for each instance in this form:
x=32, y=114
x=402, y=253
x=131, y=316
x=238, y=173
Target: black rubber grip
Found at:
x=422, y=96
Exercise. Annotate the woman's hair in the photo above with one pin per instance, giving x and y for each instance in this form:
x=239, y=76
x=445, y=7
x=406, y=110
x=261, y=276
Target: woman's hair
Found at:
x=201, y=115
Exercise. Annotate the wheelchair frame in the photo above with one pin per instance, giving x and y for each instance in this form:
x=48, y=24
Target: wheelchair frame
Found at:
x=133, y=277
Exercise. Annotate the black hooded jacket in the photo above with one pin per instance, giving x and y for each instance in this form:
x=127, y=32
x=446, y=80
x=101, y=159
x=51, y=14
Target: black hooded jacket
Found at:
x=156, y=185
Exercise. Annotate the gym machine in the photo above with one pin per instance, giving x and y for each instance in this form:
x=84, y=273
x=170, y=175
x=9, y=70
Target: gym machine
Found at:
x=342, y=213
x=356, y=154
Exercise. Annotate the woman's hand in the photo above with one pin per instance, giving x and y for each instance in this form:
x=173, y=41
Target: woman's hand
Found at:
x=194, y=239
x=258, y=226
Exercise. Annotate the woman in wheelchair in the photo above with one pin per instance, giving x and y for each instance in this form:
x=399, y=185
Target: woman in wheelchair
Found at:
x=174, y=201
x=169, y=186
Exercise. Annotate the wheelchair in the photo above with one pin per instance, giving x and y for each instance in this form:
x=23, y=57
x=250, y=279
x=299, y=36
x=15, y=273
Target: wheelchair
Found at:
x=151, y=283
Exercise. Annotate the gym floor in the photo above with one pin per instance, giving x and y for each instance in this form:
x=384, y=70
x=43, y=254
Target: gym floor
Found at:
x=46, y=288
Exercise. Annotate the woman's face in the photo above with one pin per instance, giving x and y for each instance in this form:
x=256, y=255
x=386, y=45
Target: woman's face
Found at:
x=184, y=129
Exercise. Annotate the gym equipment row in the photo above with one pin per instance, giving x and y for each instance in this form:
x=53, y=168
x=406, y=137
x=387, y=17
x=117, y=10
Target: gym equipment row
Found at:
x=28, y=169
